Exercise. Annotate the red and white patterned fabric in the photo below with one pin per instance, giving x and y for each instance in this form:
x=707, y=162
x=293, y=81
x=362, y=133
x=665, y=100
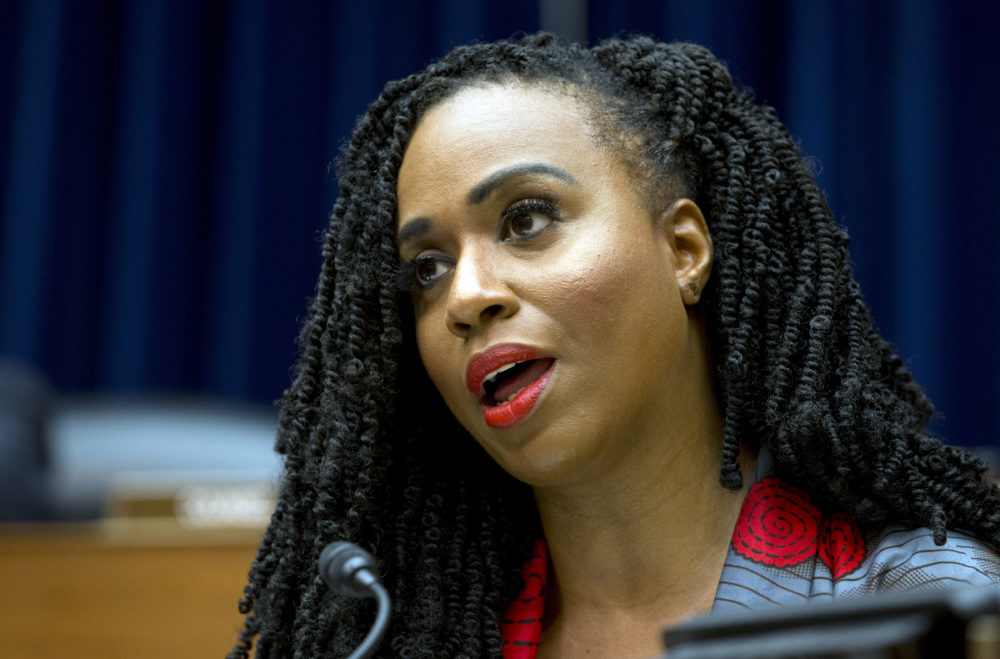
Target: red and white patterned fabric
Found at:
x=786, y=551
x=521, y=627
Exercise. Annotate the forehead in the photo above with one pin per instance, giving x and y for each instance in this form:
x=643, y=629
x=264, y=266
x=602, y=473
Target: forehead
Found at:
x=481, y=129
x=515, y=110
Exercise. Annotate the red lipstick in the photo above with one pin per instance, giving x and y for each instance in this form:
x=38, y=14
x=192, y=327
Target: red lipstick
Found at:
x=528, y=373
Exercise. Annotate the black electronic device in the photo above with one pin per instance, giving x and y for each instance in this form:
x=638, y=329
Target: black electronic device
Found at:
x=349, y=570
x=951, y=623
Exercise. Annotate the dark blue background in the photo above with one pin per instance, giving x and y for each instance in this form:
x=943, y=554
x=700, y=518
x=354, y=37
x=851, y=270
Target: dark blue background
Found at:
x=165, y=178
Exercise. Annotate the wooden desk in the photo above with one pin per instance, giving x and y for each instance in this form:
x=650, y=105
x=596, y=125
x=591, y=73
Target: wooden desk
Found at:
x=90, y=590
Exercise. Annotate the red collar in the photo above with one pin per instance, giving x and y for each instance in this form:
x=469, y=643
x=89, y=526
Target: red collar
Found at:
x=521, y=627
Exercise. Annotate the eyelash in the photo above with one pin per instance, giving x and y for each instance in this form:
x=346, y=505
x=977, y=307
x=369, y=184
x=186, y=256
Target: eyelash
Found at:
x=406, y=276
x=542, y=205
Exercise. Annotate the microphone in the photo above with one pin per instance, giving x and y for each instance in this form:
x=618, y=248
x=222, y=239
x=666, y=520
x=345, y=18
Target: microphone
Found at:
x=349, y=570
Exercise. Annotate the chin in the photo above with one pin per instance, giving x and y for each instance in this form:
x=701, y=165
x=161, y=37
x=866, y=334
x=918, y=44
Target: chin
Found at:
x=542, y=466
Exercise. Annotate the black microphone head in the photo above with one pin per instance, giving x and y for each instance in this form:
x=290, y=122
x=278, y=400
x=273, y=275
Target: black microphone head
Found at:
x=347, y=569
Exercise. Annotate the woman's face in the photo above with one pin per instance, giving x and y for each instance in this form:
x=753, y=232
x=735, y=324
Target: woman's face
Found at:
x=549, y=300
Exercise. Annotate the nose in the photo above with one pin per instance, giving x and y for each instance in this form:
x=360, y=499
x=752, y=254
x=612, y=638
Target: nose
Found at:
x=477, y=297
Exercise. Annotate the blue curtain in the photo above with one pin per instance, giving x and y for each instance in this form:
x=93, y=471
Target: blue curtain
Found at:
x=165, y=179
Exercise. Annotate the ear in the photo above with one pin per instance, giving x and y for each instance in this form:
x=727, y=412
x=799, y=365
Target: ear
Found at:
x=687, y=235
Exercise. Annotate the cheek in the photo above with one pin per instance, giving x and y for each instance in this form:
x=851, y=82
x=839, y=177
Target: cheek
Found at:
x=441, y=359
x=430, y=349
x=582, y=288
x=605, y=288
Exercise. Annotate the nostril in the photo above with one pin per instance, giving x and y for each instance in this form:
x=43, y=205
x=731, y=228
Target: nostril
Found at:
x=492, y=311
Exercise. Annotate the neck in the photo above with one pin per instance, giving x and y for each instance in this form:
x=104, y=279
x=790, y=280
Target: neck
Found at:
x=643, y=543
x=644, y=537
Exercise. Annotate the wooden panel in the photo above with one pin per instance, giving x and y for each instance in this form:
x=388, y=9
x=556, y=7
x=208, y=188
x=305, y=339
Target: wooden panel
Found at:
x=69, y=591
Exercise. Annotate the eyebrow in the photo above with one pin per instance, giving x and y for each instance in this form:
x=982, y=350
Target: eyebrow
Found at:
x=494, y=180
x=422, y=225
x=413, y=229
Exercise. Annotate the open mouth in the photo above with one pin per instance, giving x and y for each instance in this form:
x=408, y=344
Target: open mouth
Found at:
x=505, y=383
x=508, y=380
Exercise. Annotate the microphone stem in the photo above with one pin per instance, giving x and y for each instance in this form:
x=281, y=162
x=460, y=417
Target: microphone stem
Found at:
x=375, y=634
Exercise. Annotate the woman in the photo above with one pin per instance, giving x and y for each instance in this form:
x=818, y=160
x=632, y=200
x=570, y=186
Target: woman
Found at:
x=627, y=325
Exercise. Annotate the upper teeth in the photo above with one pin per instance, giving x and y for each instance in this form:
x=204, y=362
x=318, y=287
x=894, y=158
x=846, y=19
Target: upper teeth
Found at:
x=493, y=376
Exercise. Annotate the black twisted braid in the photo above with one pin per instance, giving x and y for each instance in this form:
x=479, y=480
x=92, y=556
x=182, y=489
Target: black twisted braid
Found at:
x=373, y=456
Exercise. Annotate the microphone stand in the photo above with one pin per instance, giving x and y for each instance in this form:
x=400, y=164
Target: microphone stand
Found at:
x=375, y=634
x=349, y=570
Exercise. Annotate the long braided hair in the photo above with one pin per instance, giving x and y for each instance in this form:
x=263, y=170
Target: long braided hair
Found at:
x=373, y=456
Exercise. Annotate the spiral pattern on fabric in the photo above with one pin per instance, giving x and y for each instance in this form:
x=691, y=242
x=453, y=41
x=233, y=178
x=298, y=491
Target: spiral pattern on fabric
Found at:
x=841, y=545
x=778, y=524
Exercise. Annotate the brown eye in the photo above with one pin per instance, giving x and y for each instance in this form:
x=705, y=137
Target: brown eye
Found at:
x=528, y=218
x=526, y=224
x=426, y=269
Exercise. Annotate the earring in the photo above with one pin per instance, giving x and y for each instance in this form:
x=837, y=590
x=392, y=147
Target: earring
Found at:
x=690, y=293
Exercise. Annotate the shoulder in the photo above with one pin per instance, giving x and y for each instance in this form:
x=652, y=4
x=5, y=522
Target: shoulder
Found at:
x=785, y=550
x=901, y=558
